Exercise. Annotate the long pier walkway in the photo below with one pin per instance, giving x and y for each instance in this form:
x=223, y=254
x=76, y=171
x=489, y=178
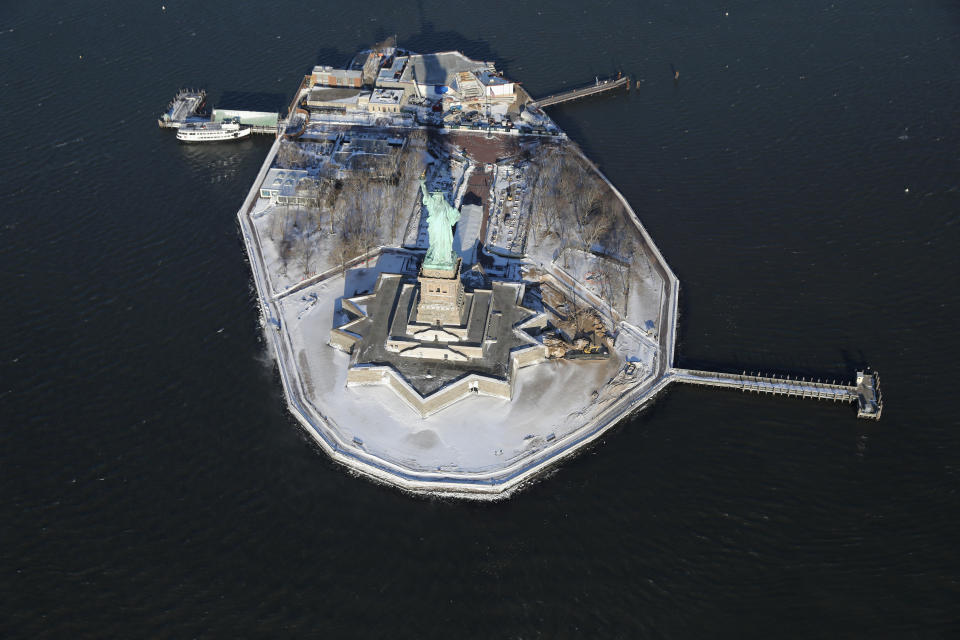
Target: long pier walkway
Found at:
x=865, y=392
x=601, y=86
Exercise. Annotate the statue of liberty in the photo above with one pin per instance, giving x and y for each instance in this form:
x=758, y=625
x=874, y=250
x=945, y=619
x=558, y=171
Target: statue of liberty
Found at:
x=440, y=227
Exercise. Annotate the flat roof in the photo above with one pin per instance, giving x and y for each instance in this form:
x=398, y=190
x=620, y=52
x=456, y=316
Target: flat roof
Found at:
x=252, y=118
x=440, y=68
x=489, y=78
x=277, y=177
x=388, y=73
x=386, y=96
x=334, y=94
x=346, y=72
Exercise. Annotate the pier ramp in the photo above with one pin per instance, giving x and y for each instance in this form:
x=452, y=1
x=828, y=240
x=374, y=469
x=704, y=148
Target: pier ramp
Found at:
x=865, y=391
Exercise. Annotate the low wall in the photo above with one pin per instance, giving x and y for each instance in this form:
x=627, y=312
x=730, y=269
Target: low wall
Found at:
x=361, y=376
x=494, y=483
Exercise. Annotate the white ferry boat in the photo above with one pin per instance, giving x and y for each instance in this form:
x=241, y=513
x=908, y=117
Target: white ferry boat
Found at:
x=211, y=131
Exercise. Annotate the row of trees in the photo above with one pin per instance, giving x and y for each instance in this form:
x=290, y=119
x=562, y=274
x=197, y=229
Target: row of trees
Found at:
x=570, y=202
x=360, y=208
x=574, y=208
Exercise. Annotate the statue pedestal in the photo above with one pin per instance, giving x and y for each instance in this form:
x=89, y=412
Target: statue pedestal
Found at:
x=441, y=299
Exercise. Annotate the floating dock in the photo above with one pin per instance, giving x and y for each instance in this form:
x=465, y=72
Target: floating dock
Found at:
x=865, y=391
x=186, y=106
x=189, y=106
x=600, y=86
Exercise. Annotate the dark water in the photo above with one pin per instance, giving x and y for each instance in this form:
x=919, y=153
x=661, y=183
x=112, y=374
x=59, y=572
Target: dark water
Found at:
x=801, y=179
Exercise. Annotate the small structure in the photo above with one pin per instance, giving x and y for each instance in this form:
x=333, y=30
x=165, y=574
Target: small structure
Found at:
x=328, y=76
x=869, y=398
x=495, y=86
x=391, y=76
x=386, y=100
x=185, y=107
x=337, y=99
x=290, y=186
x=265, y=119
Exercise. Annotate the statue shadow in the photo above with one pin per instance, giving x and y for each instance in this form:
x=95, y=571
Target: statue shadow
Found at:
x=362, y=279
x=442, y=173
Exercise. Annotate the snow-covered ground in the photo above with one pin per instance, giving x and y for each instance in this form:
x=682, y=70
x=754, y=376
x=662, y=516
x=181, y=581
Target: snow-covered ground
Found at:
x=479, y=445
x=479, y=434
x=466, y=239
x=634, y=288
x=268, y=221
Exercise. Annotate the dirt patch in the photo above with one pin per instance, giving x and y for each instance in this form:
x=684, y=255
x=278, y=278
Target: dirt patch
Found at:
x=426, y=439
x=305, y=373
x=480, y=148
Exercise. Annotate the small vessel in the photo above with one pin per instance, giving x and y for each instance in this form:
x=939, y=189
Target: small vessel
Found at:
x=211, y=131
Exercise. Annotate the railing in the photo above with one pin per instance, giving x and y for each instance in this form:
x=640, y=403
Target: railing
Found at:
x=865, y=392
x=786, y=386
x=582, y=92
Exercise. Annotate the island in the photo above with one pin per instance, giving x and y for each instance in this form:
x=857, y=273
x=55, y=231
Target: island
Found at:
x=457, y=297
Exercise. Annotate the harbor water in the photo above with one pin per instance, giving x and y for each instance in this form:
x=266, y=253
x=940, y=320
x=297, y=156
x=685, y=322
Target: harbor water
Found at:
x=800, y=175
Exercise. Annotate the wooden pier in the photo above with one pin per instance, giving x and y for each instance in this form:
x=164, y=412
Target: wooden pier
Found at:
x=601, y=86
x=865, y=391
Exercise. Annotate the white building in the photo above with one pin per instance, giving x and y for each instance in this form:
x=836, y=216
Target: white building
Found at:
x=290, y=186
x=495, y=86
x=386, y=100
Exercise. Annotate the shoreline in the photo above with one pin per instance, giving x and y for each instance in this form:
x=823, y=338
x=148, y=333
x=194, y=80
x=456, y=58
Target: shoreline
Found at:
x=485, y=485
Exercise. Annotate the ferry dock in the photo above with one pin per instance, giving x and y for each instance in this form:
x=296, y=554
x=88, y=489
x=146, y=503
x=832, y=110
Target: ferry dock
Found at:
x=186, y=106
x=865, y=391
x=189, y=106
x=599, y=86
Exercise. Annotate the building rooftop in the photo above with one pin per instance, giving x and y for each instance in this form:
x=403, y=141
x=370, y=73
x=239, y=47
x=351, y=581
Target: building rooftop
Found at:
x=329, y=94
x=283, y=181
x=386, y=96
x=250, y=118
x=394, y=72
x=340, y=72
x=440, y=68
x=490, y=78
